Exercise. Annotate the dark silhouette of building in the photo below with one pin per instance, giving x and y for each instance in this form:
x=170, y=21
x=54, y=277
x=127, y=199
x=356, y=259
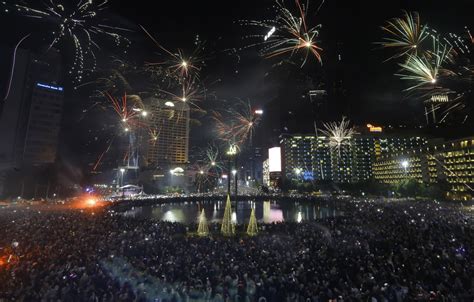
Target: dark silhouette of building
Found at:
x=30, y=122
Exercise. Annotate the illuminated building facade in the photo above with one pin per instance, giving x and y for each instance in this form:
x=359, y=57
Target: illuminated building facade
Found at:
x=274, y=166
x=166, y=147
x=170, y=121
x=266, y=173
x=452, y=161
x=309, y=157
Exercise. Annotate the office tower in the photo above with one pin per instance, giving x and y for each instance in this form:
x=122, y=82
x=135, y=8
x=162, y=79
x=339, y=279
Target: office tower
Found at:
x=30, y=122
x=438, y=161
x=170, y=121
x=310, y=158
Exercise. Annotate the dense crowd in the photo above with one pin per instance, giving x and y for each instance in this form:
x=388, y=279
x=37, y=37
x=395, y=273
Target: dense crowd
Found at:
x=398, y=251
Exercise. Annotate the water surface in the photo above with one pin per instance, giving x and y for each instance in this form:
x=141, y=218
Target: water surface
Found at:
x=265, y=211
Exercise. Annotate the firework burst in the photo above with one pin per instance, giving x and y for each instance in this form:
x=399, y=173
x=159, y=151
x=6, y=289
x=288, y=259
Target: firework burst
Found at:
x=438, y=71
x=424, y=70
x=212, y=158
x=153, y=135
x=339, y=134
x=237, y=124
x=405, y=34
x=246, y=120
x=178, y=62
x=76, y=24
x=189, y=95
x=288, y=34
x=127, y=112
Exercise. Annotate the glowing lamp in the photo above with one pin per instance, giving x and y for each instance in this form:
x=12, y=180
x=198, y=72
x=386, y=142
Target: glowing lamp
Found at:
x=405, y=164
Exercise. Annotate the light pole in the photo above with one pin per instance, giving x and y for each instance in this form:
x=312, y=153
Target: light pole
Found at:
x=231, y=152
x=234, y=172
x=122, y=171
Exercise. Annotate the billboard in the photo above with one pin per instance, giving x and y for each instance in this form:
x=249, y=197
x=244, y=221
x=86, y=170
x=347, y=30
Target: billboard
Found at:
x=274, y=159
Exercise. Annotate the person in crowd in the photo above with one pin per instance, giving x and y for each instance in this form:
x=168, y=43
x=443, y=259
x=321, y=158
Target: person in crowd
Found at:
x=396, y=251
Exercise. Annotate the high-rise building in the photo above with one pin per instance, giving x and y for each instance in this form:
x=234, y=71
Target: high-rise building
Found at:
x=14, y=110
x=310, y=158
x=266, y=173
x=167, y=146
x=320, y=103
x=170, y=121
x=306, y=157
x=452, y=161
x=30, y=122
x=44, y=123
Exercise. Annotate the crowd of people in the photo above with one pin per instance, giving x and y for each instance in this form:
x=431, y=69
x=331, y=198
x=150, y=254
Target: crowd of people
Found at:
x=396, y=251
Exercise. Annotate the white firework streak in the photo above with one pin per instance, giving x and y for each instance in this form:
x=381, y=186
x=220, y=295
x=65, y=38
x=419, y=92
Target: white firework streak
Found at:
x=76, y=24
x=424, y=70
x=289, y=34
x=339, y=133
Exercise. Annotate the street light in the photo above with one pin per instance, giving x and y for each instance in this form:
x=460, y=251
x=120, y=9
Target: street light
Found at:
x=122, y=171
x=231, y=152
x=144, y=113
x=298, y=172
x=259, y=111
x=234, y=172
x=405, y=165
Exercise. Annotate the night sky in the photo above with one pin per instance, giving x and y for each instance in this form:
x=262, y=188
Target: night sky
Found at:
x=349, y=28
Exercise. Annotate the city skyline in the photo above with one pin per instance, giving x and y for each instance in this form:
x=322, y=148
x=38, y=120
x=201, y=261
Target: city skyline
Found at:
x=216, y=66
x=253, y=150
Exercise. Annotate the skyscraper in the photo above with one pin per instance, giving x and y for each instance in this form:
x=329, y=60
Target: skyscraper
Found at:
x=30, y=122
x=170, y=121
x=309, y=157
x=44, y=123
x=167, y=147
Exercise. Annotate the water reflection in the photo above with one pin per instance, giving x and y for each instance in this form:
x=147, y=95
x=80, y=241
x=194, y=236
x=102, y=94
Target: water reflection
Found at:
x=265, y=211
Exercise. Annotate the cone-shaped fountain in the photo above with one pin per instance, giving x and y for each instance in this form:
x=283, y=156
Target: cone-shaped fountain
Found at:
x=203, y=228
x=252, y=229
x=227, y=228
